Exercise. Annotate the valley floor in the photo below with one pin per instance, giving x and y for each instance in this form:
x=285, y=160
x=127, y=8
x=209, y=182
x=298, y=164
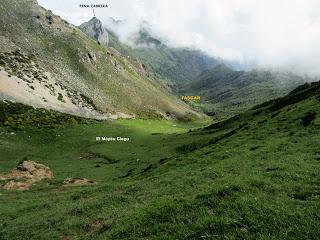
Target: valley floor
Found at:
x=255, y=176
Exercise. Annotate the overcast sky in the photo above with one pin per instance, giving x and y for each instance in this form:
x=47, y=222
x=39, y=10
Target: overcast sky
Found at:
x=272, y=33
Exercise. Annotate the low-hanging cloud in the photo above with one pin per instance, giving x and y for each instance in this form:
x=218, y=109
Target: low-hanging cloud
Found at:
x=270, y=33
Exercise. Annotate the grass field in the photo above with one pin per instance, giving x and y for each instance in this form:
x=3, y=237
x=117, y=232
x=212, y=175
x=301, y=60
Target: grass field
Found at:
x=254, y=176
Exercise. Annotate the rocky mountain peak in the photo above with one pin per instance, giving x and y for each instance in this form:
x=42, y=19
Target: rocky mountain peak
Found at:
x=95, y=30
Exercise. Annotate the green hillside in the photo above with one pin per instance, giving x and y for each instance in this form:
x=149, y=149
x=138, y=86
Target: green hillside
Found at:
x=254, y=176
x=175, y=66
x=225, y=92
x=84, y=70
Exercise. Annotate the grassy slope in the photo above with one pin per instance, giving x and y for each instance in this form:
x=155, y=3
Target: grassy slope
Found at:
x=254, y=176
x=62, y=50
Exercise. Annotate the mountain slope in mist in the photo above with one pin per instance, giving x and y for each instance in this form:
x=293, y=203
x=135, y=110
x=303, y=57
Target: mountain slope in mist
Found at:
x=180, y=65
x=225, y=92
x=173, y=65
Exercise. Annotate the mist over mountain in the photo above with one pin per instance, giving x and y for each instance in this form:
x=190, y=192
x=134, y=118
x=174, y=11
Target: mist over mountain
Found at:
x=269, y=34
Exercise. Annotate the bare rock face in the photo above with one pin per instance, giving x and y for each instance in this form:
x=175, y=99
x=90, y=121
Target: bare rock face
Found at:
x=25, y=175
x=95, y=30
x=27, y=166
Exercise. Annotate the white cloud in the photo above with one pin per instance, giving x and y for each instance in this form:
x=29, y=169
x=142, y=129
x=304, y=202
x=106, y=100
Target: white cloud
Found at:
x=272, y=33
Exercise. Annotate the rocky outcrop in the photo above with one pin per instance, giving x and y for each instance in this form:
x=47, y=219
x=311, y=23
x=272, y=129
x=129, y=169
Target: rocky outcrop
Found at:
x=95, y=30
x=25, y=175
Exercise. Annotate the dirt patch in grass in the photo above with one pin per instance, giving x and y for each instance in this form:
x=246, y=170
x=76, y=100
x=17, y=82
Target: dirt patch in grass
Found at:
x=77, y=182
x=97, y=156
x=99, y=225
